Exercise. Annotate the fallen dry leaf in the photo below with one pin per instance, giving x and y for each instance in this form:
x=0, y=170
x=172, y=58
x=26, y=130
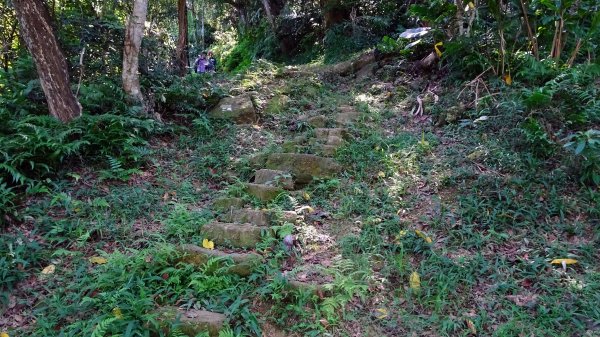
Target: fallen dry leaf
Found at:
x=49, y=270
x=415, y=281
x=97, y=260
x=471, y=326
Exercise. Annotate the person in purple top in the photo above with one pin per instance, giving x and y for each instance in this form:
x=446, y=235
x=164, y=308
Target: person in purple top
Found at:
x=201, y=63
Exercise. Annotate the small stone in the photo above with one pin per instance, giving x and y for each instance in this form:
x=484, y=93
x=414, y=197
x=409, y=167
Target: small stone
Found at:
x=226, y=204
x=264, y=193
x=243, y=263
x=232, y=234
x=192, y=322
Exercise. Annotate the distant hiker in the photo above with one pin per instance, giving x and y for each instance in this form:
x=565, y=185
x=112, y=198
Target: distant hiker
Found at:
x=201, y=63
x=212, y=62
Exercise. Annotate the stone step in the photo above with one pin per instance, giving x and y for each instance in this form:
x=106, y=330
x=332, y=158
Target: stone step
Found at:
x=304, y=167
x=233, y=234
x=227, y=204
x=327, y=150
x=253, y=216
x=243, y=263
x=347, y=115
x=191, y=322
x=264, y=193
x=261, y=218
x=276, y=178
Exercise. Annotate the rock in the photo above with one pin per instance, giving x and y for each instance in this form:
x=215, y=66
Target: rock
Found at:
x=253, y=216
x=277, y=104
x=367, y=72
x=274, y=178
x=264, y=193
x=258, y=160
x=335, y=135
x=192, y=322
x=327, y=150
x=243, y=263
x=347, y=115
x=226, y=204
x=232, y=234
x=343, y=68
x=364, y=60
x=238, y=108
x=304, y=167
x=317, y=121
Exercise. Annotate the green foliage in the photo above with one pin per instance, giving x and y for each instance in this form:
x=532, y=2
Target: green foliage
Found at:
x=538, y=138
x=586, y=145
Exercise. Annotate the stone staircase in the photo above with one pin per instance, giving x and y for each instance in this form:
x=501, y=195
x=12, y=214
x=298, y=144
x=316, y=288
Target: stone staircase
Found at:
x=238, y=230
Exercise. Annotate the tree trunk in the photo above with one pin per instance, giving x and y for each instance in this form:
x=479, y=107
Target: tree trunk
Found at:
x=334, y=12
x=131, y=51
x=272, y=9
x=49, y=60
x=182, y=43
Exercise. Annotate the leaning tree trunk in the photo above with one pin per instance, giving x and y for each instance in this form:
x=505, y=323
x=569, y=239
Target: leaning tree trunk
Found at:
x=131, y=51
x=182, y=43
x=49, y=60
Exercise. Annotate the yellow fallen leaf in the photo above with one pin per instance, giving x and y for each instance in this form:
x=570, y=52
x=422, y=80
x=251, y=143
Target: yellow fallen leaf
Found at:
x=97, y=260
x=437, y=49
x=564, y=261
x=117, y=313
x=206, y=243
x=471, y=327
x=423, y=236
x=48, y=270
x=415, y=281
x=471, y=5
x=383, y=313
x=4, y=334
x=507, y=79
x=306, y=196
x=381, y=174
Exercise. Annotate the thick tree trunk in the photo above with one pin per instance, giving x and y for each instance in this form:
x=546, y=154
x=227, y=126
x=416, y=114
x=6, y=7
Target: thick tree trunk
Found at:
x=272, y=9
x=182, y=43
x=131, y=51
x=50, y=62
x=334, y=12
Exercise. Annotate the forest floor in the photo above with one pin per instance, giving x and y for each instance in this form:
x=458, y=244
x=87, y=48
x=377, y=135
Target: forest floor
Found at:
x=451, y=204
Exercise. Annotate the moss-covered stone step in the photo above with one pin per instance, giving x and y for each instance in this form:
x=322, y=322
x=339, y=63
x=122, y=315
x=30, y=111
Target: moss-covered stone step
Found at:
x=304, y=167
x=276, y=178
x=233, y=234
x=347, y=115
x=258, y=217
x=191, y=322
x=227, y=204
x=333, y=136
x=243, y=263
x=264, y=193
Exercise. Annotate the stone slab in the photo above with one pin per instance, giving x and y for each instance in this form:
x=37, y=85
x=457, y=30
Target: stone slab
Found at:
x=232, y=234
x=243, y=263
x=192, y=322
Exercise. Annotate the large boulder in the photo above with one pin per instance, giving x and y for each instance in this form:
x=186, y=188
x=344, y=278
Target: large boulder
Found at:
x=192, y=322
x=243, y=263
x=304, y=167
x=257, y=217
x=239, y=109
x=233, y=234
